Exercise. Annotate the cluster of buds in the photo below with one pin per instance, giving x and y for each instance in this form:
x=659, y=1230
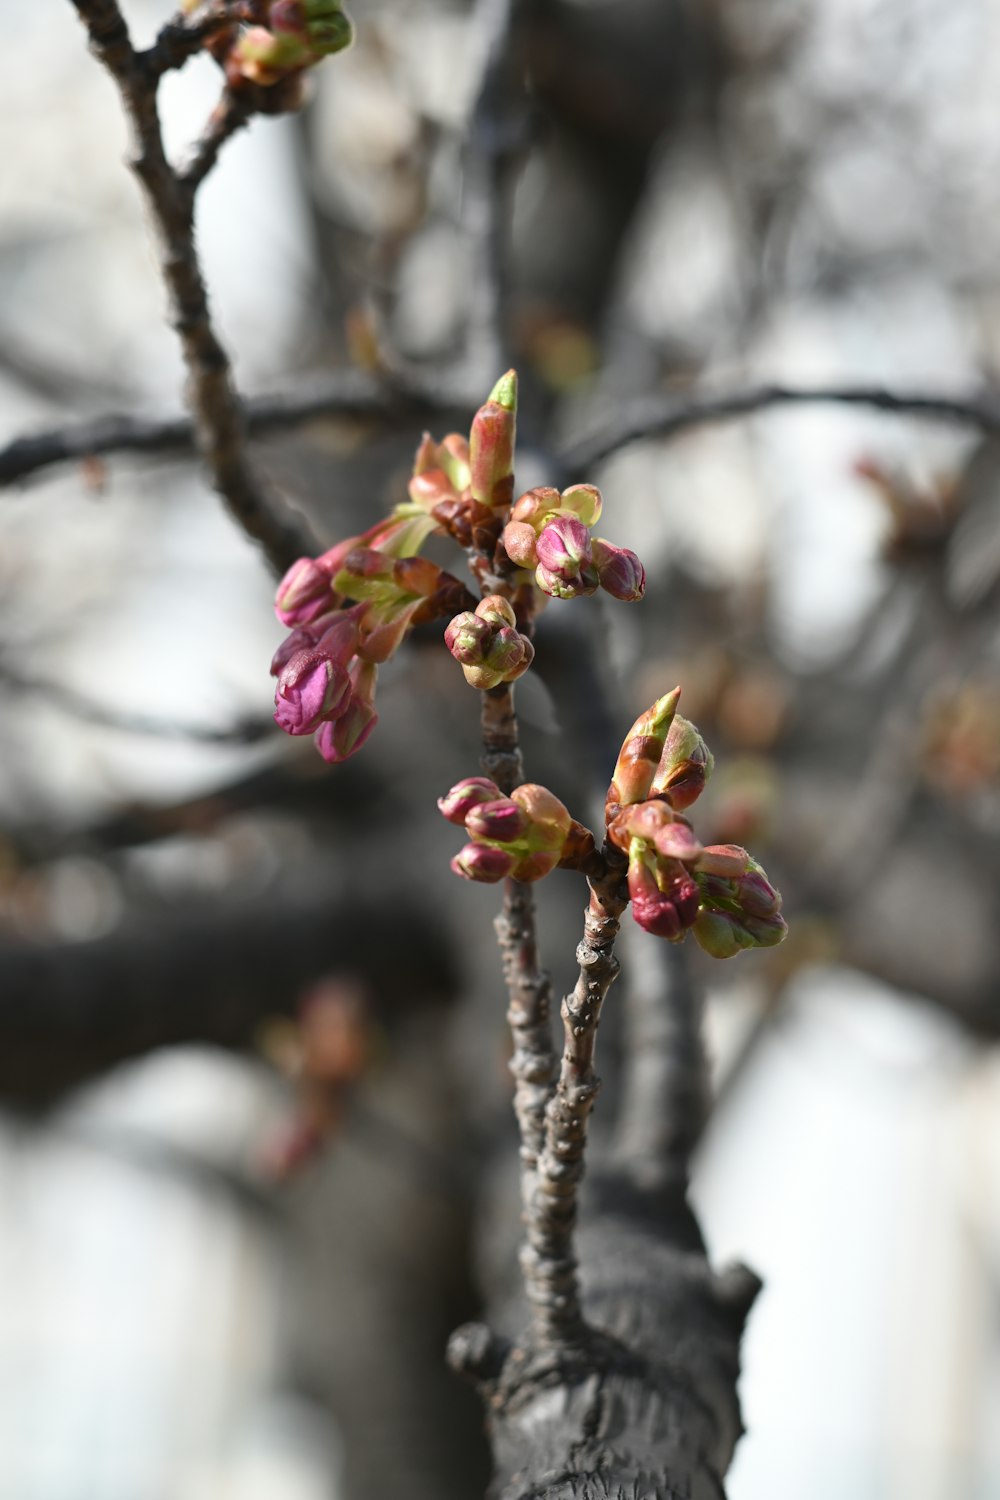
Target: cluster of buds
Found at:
x=466, y=484
x=550, y=532
x=326, y=686
x=327, y=667
x=286, y=38
x=525, y=835
x=488, y=644
x=675, y=883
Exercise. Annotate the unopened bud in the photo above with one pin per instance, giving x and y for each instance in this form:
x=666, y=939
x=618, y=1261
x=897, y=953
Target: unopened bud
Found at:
x=496, y=611
x=509, y=653
x=465, y=795
x=311, y=688
x=549, y=818
x=519, y=544
x=621, y=573
x=685, y=765
x=483, y=862
x=338, y=740
x=565, y=567
x=640, y=754
x=491, y=445
x=466, y=638
x=535, y=506
x=304, y=593
x=501, y=820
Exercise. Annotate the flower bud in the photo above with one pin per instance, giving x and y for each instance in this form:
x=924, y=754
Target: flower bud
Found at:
x=500, y=820
x=640, y=753
x=483, y=862
x=491, y=445
x=664, y=897
x=311, y=688
x=466, y=638
x=621, y=573
x=584, y=500
x=534, y=507
x=565, y=566
x=304, y=593
x=510, y=654
x=338, y=740
x=519, y=540
x=465, y=795
x=549, y=818
x=740, y=910
x=496, y=611
x=685, y=765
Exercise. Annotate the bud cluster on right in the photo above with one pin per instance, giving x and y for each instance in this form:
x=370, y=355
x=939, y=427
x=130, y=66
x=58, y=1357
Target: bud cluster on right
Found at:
x=676, y=884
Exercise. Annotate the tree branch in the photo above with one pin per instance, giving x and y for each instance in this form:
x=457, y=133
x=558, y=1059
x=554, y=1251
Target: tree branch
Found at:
x=336, y=393
x=218, y=415
x=665, y=416
x=548, y=1259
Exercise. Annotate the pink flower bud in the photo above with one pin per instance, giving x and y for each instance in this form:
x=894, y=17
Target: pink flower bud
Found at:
x=738, y=911
x=509, y=653
x=652, y=909
x=664, y=897
x=500, y=820
x=621, y=573
x=304, y=593
x=465, y=795
x=565, y=567
x=491, y=445
x=338, y=740
x=519, y=540
x=466, y=638
x=311, y=688
x=483, y=862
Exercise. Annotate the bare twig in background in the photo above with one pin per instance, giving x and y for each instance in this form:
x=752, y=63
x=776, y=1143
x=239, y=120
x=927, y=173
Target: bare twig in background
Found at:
x=352, y=393
x=219, y=422
x=663, y=416
x=549, y=1260
x=338, y=393
x=229, y=115
x=80, y=706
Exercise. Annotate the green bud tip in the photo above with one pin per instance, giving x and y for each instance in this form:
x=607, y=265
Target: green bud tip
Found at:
x=504, y=393
x=663, y=712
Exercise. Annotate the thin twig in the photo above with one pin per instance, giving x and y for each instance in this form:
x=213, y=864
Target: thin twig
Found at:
x=219, y=422
x=181, y=38
x=664, y=416
x=336, y=393
x=80, y=706
x=548, y=1259
x=230, y=115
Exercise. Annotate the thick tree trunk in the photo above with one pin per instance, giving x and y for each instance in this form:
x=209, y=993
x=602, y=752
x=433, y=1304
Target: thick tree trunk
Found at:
x=647, y=1407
